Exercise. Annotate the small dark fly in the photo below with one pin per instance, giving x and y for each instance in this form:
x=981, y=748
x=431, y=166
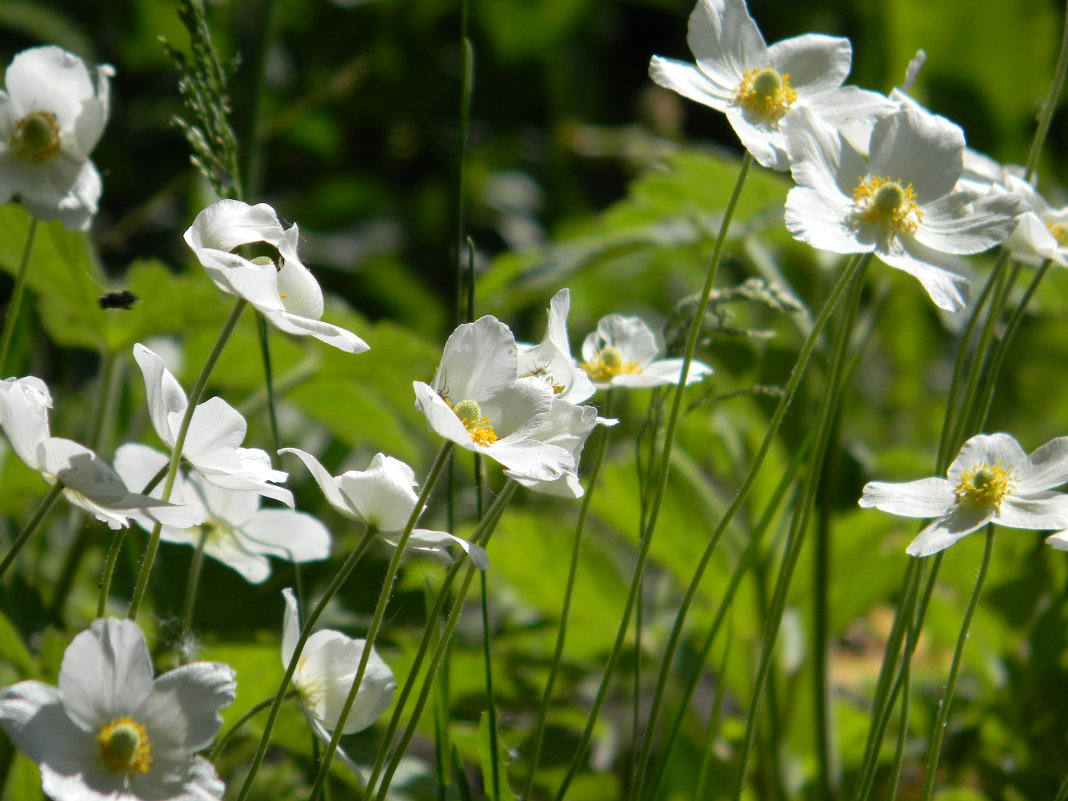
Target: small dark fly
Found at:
x=120, y=299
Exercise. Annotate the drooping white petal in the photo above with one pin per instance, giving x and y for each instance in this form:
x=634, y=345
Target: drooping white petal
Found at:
x=690, y=82
x=327, y=333
x=327, y=483
x=436, y=543
x=946, y=286
x=106, y=672
x=1041, y=511
x=1047, y=468
x=167, y=401
x=551, y=358
x=962, y=521
x=928, y=497
x=24, y=405
x=963, y=223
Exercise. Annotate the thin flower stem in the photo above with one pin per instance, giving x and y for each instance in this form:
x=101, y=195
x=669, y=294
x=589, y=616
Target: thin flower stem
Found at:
x=268, y=376
x=1050, y=105
x=109, y=571
x=1062, y=794
x=176, y=452
x=235, y=727
x=250, y=181
x=494, y=746
x=442, y=744
x=17, y=292
x=664, y=469
x=569, y=590
x=1002, y=347
x=466, y=91
x=481, y=536
x=191, y=587
x=745, y=563
x=379, y=614
x=903, y=723
x=789, y=391
x=701, y=790
x=802, y=509
x=939, y=730
x=43, y=508
x=305, y=632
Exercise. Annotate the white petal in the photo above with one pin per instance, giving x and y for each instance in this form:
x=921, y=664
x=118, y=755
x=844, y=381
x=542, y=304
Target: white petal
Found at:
x=1048, y=468
x=436, y=544
x=215, y=433
x=725, y=41
x=963, y=520
x=185, y=703
x=814, y=62
x=1058, y=540
x=822, y=221
x=290, y=626
x=327, y=483
x=939, y=273
x=33, y=716
x=478, y=361
x=384, y=493
x=928, y=497
x=293, y=536
x=630, y=335
x=918, y=148
x=167, y=401
x=999, y=450
x=962, y=223
x=690, y=82
x=51, y=79
x=325, y=332
x=24, y=405
x=1040, y=511
x=822, y=160
x=764, y=140
x=106, y=672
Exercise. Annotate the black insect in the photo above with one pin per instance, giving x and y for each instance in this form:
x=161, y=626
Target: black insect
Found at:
x=120, y=299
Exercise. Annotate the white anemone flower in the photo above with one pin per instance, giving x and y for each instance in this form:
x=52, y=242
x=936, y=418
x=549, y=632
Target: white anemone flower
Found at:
x=51, y=117
x=551, y=360
x=622, y=353
x=236, y=531
x=325, y=672
x=216, y=431
x=110, y=732
x=383, y=497
x=992, y=480
x=476, y=401
x=901, y=204
x=287, y=294
x=757, y=86
x=1042, y=232
x=567, y=426
x=88, y=481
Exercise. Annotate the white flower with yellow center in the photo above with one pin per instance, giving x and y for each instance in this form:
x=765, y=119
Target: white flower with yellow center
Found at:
x=1042, y=232
x=992, y=480
x=757, y=86
x=325, y=672
x=216, y=431
x=622, y=353
x=236, y=531
x=111, y=731
x=477, y=401
x=51, y=117
x=383, y=497
x=285, y=292
x=88, y=481
x=900, y=204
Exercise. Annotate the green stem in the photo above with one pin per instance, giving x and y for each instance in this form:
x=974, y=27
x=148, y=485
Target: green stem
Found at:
x=1048, y=107
x=252, y=171
x=1062, y=794
x=191, y=587
x=799, y=523
x=39, y=514
x=442, y=741
x=939, y=730
x=268, y=375
x=569, y=590
x=701, y=791
x=235, y=727
x=789, y=391
x=664, y=469
x=379, y=614
x=15, y=306
x=176, y=453
x=466, y=91
x=481, y=536
x=495, y=774
x=305, y=632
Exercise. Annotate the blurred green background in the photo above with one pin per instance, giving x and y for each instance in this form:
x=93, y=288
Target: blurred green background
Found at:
x=581, y=173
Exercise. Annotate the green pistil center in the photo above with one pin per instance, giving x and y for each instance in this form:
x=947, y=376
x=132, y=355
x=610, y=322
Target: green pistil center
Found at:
x=767, y=83
x=36, y=136
x=889, y=198
x=480, y=428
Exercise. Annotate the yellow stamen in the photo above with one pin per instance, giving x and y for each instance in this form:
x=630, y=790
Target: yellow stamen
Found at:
x=36, y=136
x=766, y=92
x=887, y=203
x=1060, y=233
x=480, y=428
x=124, y=746
x=607, y=363
x=985, y=485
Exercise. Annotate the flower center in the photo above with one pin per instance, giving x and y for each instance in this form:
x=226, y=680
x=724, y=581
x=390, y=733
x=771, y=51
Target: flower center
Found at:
x=124, y=746
x=885, y=202
x=36, y=136
x=766, y=92
x=985, y=485
x=480, y=428
x=607, y=363
x=1060, y=233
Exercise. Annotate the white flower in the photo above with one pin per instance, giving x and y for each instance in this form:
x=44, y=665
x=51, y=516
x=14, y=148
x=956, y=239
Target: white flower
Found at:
x=991, y=481
x=383, y=497
x=567, y=426
x=110, y=732
x=51, y=117
x=622, y=353
x=1042, y=232
x=551, y=361
x=88, y=481
x=287, y=295
x=325, y=672
x=981, y=172
x=216, y=431
x=900, y=205
x=239, y=533
x=757, y=86
x=476, y=401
